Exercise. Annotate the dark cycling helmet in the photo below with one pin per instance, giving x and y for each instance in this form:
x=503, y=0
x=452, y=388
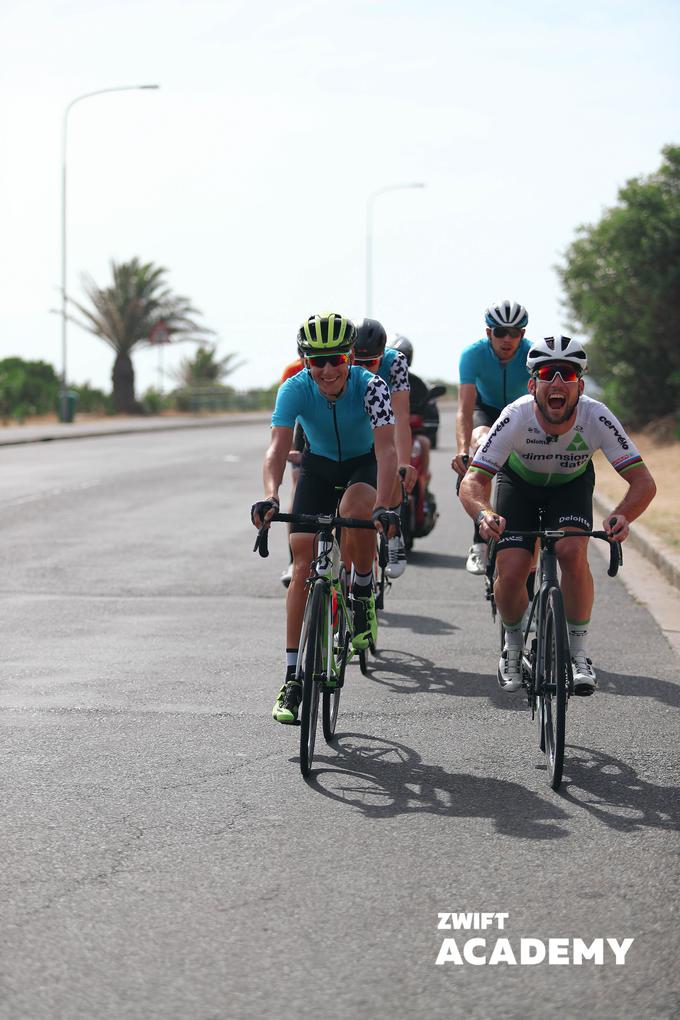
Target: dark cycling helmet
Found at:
x=557, y=348
x=400, y=343
x=371, y=340
x=506, y=313
x=326, y=333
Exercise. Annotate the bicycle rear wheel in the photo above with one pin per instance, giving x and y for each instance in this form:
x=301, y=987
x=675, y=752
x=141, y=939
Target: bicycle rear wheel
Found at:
x=312, y=669
x=331, y=699
x=555, y=685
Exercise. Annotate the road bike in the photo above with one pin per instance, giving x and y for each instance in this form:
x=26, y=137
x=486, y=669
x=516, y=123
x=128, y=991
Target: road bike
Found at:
x=327, y=627
x=546, y=659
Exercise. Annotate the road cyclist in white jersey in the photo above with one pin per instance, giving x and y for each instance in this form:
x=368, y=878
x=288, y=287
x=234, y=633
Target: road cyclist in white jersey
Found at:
x=392, y=366
x=347, y=418
x=540, y=451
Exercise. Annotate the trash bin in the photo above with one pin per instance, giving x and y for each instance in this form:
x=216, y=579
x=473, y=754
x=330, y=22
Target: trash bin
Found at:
x=66, y=405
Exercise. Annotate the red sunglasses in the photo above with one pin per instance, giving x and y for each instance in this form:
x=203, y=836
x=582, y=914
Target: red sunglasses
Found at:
x=368, y=362
x=319, y=360
x=567, y=373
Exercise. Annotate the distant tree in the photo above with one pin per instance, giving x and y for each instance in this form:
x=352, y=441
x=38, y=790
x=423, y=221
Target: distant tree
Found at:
x=27, y=388
x=205, y=368
x=125, y=314
x=622, y=281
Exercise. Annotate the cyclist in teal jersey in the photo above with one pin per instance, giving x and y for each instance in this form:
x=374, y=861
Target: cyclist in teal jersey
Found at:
x=540, y=450
x=347, y=418
x=492, y=374
x=370, y=353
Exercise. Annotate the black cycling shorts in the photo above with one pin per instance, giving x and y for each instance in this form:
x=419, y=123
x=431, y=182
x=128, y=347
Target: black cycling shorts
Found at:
x=322, y=482
x=569, y=505
x=484, y=414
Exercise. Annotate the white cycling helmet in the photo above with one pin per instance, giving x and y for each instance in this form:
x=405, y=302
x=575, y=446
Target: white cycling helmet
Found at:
x=506, y=313
x=557, y=348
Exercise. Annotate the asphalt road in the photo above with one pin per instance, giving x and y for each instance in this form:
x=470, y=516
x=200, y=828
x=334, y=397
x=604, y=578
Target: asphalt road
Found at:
x=161, y=856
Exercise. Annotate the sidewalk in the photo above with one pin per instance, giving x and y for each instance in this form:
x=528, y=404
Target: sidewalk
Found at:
x=14, y=435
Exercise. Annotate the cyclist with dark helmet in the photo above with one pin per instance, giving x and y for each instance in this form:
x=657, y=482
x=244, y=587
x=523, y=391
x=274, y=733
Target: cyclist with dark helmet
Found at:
x=347, y=418
x=492, y=373
x=419, y=396
x=540, y=451
x=391, y=365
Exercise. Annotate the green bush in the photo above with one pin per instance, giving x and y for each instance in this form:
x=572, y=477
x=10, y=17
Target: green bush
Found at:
x=27, y=388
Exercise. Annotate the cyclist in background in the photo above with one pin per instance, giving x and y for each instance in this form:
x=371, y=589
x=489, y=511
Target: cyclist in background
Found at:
x=492, y=374
x=540, y=450
x=347, y=417
x=390, y=365
x=294, y=455
x=418, y=398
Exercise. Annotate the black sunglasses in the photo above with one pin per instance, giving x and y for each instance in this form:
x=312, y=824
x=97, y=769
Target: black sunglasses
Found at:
x=500, y=331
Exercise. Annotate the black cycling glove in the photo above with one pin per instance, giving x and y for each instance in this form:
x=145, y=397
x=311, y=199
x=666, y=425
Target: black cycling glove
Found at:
x=387, y=518
x=262, y=507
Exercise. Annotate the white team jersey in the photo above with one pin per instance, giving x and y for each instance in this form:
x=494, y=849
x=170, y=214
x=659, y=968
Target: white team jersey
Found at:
x=542, y=459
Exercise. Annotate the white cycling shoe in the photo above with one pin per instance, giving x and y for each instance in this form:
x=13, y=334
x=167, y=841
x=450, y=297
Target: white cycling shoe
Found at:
x=585, y=680
x=476, y=561
x=510, y=669
x=396, y=557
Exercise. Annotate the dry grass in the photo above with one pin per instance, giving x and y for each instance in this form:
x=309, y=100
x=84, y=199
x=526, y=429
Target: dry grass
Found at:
x=663, y=461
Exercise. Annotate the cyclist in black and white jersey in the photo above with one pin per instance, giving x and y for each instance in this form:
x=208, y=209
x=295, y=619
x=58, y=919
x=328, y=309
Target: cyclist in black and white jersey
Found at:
x=540, y=450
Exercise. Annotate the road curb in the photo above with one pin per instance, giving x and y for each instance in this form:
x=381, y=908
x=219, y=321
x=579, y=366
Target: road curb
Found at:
x=649, y=545
x=54, y=433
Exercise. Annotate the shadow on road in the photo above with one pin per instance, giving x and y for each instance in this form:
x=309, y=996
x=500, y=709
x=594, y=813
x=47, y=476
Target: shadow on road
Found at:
x=417, y=624
x=613, y=792
x=406, y=673
x=639, y=687
x=383, y=779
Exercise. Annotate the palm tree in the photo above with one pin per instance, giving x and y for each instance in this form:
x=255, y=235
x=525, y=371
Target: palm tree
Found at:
x=205, y=369
x=125, y=314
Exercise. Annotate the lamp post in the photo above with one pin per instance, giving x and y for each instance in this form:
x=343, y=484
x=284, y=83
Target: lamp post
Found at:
x=63, y=398
x=369, y=235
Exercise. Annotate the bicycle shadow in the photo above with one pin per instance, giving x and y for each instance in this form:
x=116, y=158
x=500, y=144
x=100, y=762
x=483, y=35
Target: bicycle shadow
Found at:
x=383, y=779
x=417, y=624
x=639, y=687
x=408, y=673
x=609, y=787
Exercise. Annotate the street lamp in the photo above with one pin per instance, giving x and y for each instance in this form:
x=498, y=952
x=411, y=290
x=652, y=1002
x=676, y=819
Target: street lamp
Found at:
x=63, y=399
x=369, y=235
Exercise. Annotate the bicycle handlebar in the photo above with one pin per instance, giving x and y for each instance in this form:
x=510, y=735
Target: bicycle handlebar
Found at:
x=615, y=550
x=322, y=521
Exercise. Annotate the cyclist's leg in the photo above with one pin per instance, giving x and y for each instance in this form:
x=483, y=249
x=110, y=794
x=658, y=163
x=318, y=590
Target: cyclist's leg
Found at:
x=483, y=418
x=514, y=557
x=358, y=501
x=572, y=508
x=313, y=494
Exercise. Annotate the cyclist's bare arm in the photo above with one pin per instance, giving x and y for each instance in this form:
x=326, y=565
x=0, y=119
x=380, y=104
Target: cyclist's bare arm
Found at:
x=403, y=441
x=475, y=495
x=386, y=456
x=467, y=395
x=275, y=465
x=641, y=492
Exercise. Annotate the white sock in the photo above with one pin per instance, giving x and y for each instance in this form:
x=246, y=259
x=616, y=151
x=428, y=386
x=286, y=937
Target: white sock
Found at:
x=513, y=634
x=578, y=634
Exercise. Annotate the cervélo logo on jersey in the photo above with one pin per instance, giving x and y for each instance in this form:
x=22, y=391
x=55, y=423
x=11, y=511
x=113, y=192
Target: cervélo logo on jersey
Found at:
x=494, y=432
x=621, y=440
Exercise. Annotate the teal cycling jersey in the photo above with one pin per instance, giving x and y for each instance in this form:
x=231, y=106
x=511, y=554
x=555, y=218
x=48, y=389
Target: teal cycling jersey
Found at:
x=498, y=383
x=336, y=429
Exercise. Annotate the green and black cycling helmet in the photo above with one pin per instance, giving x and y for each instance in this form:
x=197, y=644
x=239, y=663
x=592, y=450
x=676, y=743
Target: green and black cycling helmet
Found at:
x=371, y=340
x=326, y=333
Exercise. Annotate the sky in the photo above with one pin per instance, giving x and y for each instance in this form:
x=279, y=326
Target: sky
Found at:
x=247, y=174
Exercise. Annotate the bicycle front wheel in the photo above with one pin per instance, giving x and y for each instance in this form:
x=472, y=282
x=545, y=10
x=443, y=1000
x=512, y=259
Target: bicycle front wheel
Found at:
x=341, y=636
x=311, y=677
x=555, y=685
